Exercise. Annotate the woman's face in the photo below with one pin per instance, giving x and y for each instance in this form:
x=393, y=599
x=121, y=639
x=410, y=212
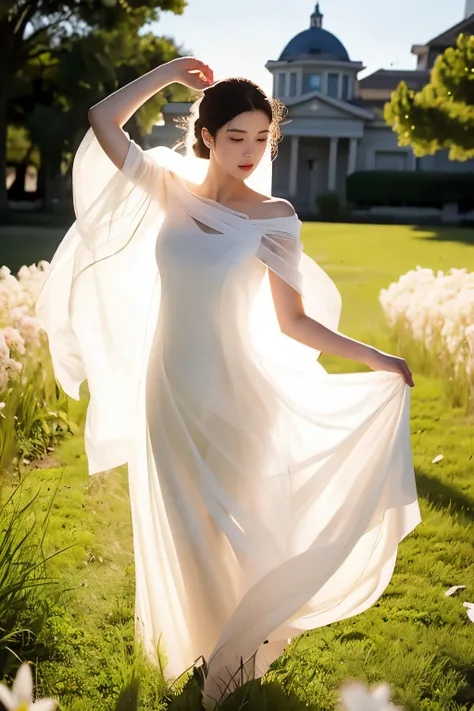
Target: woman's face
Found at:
x=240, y=144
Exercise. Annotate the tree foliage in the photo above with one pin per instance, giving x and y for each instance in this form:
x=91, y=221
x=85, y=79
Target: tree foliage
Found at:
x=59, y=57
x=441, y=115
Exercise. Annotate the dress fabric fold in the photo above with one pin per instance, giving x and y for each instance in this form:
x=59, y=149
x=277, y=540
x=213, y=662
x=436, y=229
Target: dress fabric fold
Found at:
x=268, y=497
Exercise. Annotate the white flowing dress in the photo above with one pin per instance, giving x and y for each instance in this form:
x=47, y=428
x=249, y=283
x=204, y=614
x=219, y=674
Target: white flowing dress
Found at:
x=267, y=496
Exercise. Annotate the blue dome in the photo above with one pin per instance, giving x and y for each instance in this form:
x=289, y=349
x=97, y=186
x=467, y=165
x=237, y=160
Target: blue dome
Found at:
x=315, y=43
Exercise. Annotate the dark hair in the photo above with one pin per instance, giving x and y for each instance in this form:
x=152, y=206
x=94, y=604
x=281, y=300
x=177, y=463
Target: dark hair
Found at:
x=225, y=100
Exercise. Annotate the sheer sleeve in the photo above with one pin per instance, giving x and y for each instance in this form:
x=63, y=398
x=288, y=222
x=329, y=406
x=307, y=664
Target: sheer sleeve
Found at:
x=144, y=171
x=281, y=250
x=99, y=302
x=111, y=204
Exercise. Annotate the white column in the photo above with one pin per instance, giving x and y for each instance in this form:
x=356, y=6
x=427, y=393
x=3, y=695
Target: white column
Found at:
x=324, y=83
x=293, y=186
x=351, y=167
x=332, y=163
x=339, y=86
x=299, y=83
x=287, y=84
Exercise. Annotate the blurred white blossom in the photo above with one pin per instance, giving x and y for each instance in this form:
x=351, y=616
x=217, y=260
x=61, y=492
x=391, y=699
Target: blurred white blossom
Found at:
x=20, y=697
x=356, y=696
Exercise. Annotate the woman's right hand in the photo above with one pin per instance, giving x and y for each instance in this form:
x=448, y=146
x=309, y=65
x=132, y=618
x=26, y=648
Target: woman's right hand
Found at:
x=383, y=361
x=191, y=72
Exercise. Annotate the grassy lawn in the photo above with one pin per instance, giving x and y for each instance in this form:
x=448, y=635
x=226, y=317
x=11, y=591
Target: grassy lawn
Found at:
x=415, y=638
x=21, y=245
x=363, y=259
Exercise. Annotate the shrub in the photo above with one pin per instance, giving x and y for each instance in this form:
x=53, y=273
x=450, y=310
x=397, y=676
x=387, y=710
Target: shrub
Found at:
x=373, y=188
x=329, y=206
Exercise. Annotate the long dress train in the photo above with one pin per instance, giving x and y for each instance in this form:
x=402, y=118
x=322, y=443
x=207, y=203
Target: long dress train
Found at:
x=267, y=496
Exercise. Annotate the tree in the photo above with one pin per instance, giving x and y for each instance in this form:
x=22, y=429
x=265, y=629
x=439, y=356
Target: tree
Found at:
x=52, y=93
x=441, y=115
x=31, y=28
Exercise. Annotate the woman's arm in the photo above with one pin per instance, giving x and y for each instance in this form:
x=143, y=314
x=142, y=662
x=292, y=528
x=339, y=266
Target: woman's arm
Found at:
x=109, y=115
x=297, y=325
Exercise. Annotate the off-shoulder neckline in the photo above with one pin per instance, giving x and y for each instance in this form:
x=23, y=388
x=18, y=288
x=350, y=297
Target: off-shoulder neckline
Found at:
x=236, y=212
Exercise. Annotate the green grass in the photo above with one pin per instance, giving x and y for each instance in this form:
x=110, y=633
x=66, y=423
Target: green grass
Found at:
x=414, y=637
x=362, y=259
x=28, y=245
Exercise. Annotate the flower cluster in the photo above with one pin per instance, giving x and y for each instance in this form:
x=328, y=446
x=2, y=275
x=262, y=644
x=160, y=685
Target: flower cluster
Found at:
x=438, y=312
x=21, y=332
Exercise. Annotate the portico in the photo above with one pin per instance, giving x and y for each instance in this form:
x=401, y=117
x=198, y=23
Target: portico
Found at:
x=333, y=142
x=320, y=148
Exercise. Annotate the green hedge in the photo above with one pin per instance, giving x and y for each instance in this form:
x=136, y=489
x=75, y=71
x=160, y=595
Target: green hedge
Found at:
x=410, y=189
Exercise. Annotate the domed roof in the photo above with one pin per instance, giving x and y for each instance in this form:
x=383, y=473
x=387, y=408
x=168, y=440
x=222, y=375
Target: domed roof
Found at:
x=315, y=43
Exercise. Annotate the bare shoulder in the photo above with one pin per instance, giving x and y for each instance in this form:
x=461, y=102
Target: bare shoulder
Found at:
x=270, y=207
x=280, y=207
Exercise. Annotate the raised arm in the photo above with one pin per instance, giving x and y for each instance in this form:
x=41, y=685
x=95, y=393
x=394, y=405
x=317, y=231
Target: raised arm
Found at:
x=109, y=115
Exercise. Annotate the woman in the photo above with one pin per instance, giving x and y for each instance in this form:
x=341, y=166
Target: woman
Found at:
x=267, y=497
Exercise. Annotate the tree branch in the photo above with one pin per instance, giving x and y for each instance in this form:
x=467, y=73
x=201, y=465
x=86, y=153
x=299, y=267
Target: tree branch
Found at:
x=47, y=28
x=29, y=11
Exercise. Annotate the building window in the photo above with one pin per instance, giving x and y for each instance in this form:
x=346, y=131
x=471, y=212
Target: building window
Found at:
x=293, y=84
x=333, y=85
x=311, y=82
x=390, y=160
x=281, y=84
x=345, y=87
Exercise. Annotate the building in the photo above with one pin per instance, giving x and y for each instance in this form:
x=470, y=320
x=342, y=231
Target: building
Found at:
x=335, y=121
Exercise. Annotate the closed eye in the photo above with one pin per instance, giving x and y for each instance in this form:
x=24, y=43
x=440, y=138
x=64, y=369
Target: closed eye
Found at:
x=238, y=140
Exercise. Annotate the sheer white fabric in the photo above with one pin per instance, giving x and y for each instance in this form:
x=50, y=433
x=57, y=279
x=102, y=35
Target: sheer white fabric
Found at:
x=267, y=496
x=282, y=253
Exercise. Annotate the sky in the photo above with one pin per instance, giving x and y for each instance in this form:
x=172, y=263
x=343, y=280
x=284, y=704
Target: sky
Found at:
x=237, y=38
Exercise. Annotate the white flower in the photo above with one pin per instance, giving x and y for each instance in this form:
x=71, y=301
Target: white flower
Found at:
x=14, y=340
x=31, y=279
x=4, y=377
x=4, y=349
x=14, y=369
x=358, y=697
x=30, y=329
x=20, y=698
x=438, y=311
